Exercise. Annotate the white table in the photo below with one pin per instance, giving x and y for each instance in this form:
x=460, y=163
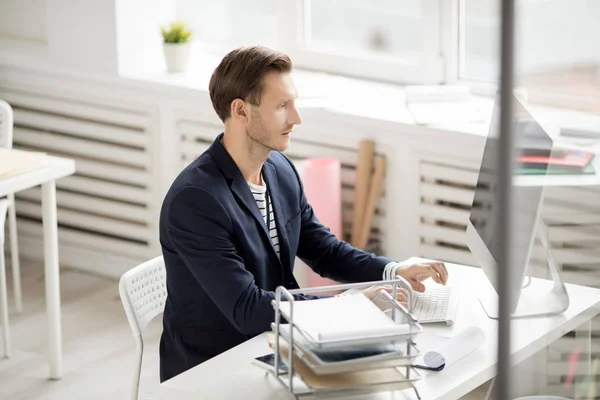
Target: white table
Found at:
x=50, y=169
x=230, y=375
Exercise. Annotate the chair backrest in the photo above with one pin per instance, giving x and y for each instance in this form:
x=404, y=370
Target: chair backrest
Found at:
x=143, y=291
x=6, y=125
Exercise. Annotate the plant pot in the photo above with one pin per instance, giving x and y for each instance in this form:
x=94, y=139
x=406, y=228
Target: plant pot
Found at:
x=177, y=56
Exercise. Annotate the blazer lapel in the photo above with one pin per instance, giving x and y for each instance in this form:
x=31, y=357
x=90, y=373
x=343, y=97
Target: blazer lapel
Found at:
x=270, y=177
x=240, y=189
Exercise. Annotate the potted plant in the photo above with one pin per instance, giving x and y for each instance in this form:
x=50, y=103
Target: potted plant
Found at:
x=176, y=46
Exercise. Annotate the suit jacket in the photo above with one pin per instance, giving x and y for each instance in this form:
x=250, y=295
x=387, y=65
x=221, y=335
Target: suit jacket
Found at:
x=222, y=269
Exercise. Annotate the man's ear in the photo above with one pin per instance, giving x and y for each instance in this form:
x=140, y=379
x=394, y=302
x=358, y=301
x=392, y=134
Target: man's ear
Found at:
x=239, y=110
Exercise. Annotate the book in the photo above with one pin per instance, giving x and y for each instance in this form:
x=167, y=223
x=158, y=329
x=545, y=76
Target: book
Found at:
x=570, y=160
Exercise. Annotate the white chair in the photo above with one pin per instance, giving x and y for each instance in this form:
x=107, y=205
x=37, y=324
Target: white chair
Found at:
x=143, y=291
x=6, y=140
x=3, y=296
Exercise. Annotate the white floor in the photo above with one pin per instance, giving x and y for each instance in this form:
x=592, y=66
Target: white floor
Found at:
x=98, y=346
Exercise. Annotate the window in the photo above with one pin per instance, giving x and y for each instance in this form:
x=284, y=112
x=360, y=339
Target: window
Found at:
x=556, y=49
x=381, y=27
x=382, y=39
x=417, y=41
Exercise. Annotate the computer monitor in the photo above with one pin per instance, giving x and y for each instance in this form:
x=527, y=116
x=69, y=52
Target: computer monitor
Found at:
x=482, y=228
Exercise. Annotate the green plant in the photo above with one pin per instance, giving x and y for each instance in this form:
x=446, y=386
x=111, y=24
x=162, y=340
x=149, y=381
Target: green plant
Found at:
x=178, y=32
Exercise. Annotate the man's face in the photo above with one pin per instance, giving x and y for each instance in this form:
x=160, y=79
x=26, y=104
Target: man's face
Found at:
x=271, y=123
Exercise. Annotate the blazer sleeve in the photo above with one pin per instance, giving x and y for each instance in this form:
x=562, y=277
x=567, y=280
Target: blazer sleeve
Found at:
x=330, y=257
x=199, y=230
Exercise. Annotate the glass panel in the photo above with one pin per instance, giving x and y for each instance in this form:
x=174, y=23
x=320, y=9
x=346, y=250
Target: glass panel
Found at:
x=355, y=26
x=556, y=44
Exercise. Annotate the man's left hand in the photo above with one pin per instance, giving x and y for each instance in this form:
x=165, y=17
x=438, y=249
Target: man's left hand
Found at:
x=417, y=273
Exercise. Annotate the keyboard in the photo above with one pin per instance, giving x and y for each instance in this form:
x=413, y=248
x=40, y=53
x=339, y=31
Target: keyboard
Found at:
x=438, y=304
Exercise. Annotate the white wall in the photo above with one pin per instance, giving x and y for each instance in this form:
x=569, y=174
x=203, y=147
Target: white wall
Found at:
x=82, y=35
x=23, y=19
x=138, y=30
x=89, y=35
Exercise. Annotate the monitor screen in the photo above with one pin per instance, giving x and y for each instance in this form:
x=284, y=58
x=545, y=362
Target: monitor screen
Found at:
x=529, y=136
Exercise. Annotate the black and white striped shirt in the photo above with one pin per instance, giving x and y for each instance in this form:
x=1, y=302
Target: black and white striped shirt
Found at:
x=260, y=195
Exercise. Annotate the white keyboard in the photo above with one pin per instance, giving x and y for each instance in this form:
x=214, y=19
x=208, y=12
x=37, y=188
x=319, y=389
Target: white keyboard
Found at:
x=438, y=304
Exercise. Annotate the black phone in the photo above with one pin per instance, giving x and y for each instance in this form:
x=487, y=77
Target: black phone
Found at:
x=267, y=361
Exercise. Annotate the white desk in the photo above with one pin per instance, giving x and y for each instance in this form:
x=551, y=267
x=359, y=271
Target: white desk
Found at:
x=230, y=375
x=51, y=169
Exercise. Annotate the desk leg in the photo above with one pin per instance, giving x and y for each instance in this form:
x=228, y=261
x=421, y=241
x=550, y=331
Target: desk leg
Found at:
x=51, y=270
x=583, y=336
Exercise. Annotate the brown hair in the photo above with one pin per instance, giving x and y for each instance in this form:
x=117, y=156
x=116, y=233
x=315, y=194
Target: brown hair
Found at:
x=240, y=75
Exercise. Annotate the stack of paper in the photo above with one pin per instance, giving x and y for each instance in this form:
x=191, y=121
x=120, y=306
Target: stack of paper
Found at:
x=14, y=162
x=342, y=318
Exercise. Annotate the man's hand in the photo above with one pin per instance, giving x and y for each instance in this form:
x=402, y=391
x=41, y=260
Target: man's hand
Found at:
x=417, y=273
x=372, y=291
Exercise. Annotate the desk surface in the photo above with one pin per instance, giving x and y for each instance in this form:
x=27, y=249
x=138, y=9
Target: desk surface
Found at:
x=231, y=374
x=51, y=168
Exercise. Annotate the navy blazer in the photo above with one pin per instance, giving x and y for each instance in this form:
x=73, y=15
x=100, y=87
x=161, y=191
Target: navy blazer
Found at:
x=222, y=269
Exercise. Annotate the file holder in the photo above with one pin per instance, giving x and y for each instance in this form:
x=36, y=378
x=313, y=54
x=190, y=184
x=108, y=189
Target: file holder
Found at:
x=297, y=354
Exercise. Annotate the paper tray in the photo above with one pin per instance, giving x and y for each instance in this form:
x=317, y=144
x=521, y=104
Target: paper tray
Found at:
x=380, y=379
x=385, y=302
x=365, y=378
x=348, y=360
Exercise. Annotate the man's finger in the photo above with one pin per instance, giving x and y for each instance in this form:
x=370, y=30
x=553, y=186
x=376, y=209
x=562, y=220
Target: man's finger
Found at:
x=440, y=268
x=417, y=286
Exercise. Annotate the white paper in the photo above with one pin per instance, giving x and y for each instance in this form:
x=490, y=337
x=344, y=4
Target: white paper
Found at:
x=341, y=318
x=445, y=352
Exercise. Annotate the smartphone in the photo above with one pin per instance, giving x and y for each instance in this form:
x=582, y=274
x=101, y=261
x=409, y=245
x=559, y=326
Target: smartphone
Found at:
x=268, y=361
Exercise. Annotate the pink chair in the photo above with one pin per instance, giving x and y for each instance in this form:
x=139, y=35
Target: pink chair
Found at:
x=323, y=188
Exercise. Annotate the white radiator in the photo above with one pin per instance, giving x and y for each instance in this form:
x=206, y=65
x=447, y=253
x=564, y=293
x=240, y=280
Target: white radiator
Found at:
x=108, y=206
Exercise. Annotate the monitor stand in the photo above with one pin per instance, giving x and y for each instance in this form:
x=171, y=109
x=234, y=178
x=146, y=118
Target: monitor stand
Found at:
x=540, y=297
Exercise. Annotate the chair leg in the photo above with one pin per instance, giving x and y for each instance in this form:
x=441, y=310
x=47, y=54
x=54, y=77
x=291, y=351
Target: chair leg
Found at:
x=139, y=353
x=4, y=304
x=14, y=252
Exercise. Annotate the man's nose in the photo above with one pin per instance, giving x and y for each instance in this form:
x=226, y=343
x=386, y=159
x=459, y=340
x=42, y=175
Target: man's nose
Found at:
x=296, y=119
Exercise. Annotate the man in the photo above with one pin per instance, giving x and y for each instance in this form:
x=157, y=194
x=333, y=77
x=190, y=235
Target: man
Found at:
x=223, y=263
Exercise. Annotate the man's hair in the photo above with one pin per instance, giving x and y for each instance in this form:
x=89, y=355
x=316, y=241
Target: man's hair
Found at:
x=240, y=75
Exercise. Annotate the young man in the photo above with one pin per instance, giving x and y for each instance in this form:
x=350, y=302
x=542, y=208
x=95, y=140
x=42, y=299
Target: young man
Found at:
x=234, y=220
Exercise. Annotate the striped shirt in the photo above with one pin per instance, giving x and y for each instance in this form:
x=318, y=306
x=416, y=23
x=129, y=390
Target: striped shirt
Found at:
x=262, y=201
